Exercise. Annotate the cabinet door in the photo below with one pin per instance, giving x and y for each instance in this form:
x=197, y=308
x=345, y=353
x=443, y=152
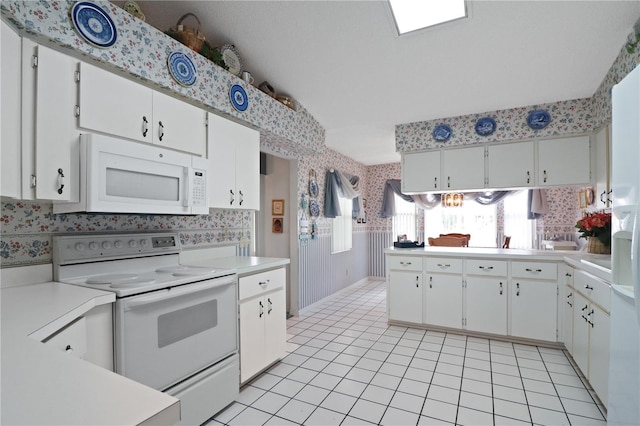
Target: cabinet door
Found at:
x=534, y=309
x=510, y=165
x=565, y=161
x=599, y=352
x=57, y=156
x=486, y=303
x=221, y=155
x=247, y=142
x=567, y=319
x=178, y=125
x=252, y=337
x=602, y=165
x=275, y=326
x=443, y=300
x=580, y=332
x=405, y=296
x=10, y=136
x=114, y=105
x=463, y=168
x=420, y=172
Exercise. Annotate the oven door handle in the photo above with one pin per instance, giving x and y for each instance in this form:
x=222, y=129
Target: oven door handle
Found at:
x=170, y=293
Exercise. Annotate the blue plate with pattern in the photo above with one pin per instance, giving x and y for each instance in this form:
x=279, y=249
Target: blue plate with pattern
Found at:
x=182, y=69
x=94, y=24
x=314, y=208
x=485, y=126
x=239, y=98
x=538, y=119
x=441, y=133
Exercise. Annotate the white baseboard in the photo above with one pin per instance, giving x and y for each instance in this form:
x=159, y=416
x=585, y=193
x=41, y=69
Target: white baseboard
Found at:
x=337, y=294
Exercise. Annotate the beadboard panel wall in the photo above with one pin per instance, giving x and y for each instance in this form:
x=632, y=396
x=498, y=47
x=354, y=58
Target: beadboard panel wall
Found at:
x=322, y=273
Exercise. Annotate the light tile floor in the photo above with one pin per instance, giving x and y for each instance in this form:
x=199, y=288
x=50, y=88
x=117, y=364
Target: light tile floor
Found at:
x=346, y=366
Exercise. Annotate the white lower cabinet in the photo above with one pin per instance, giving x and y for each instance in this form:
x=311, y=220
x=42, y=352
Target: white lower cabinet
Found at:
x=486, y=302
x=534, y=309
x=443, y=300
x=568, y=300
x=405, y=296
x=263, y=321
x=591, y=319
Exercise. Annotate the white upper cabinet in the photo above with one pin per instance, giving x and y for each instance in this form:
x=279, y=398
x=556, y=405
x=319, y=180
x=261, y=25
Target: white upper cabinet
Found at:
x=463, y=169
x=10, y=135
x=50, y=139
x=602, y=165
x=233, y=153
x=420, y=172
x=178, y=125
x=565, y=161
x=510, y=165
x=116, y=106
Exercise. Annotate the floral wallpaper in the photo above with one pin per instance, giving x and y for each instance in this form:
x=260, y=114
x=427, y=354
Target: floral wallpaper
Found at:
x=376, y=177
x=141, y=51
x=27, y=228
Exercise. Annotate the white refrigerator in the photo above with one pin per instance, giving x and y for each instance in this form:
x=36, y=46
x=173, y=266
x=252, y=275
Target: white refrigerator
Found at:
x=624, y=364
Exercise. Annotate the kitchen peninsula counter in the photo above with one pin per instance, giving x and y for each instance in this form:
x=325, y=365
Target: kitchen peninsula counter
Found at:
x=42, y=385
x=241, y=265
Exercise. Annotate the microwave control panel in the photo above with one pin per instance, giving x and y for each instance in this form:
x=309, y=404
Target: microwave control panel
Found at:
x=199, y=188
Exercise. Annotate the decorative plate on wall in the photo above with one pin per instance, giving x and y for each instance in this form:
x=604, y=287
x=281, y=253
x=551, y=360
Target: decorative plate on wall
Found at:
x=182, y=69
x=313, y=184
x=538, y=119
x=442, y=133
x=314, y=208
x=231, y=59
x=238, y=97
x=485, y=126
x=93, y=24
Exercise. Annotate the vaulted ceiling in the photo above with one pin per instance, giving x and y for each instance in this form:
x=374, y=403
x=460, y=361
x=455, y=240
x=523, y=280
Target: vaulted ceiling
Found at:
x=344, y=62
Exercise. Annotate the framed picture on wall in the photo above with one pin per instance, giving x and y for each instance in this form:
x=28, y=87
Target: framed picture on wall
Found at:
x=277, y=207
x=276, y=225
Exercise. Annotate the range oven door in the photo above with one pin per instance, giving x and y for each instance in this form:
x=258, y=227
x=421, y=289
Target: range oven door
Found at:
x=165, y=336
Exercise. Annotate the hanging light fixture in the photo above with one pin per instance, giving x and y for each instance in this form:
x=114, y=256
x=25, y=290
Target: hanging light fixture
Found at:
x=452, y=199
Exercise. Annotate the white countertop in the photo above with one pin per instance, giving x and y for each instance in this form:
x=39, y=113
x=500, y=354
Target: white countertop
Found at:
x=242, y=265
x=43, y=386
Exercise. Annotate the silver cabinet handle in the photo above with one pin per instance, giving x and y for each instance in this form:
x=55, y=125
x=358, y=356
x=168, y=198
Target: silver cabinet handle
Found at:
x=430, y=282
x=261, y=283
x=145, y=126
x=444, y=265
x=405, y=263
x=435, y=182
x=568, y=275
x=417, y=281
x=241, y=197
x=528, y=176
x=68, y=349
x=261, y=309
x=588, y=287
x=500, y=288
x=533, y=270
x=485, y=268
x=60, y=180
x=231, y=197
x=270, y=306
x=518, y=289
x=544, y=173
x=448, y=181
x=161, y=127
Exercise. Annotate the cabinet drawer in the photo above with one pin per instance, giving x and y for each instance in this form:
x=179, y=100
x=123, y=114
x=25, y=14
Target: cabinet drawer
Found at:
x=447, y=265
x=405, y=263
x=534, y=270
x=597, y=290
x=262, y=282
x=494, y=268
x=72, y=339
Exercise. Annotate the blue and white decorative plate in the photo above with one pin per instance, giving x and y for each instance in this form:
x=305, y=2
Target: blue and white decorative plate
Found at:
x=239, y=98
x=314, y=208
x=182, y=69
x=538, y=119
x=442, y=133
x=485, y=126
x=93, y=24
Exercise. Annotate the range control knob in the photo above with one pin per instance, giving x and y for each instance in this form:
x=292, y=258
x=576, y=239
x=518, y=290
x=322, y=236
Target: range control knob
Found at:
x=106, y=245
x=144, y=243
x=93, y=245
x=118, y=244
x=79, y=247
x=133, y=243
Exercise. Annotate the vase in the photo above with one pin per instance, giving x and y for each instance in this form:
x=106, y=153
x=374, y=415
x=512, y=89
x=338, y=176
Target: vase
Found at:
x=598, y=247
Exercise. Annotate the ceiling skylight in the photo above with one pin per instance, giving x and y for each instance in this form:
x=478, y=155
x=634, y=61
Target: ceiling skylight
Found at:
x=411, y=15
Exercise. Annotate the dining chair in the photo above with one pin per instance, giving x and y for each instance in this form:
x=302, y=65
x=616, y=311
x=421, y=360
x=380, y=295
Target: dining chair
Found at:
x=449, y=241
x=457, y=235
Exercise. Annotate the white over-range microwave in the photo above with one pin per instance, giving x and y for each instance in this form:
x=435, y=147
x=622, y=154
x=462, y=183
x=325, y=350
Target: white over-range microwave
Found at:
x=120, y=176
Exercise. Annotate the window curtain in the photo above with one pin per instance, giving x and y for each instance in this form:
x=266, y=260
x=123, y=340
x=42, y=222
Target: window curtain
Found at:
x=537, y=203
x=338, y=185
x=393, y=186
x=487, y=198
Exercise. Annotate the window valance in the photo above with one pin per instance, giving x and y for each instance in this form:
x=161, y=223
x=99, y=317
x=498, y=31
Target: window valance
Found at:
x=339, y=185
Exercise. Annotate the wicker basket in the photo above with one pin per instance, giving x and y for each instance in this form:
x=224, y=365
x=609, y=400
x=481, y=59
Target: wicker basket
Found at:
x=190, y=37
x=598, y=247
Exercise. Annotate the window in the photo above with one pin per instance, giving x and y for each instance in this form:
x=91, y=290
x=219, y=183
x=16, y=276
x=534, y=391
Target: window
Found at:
x=404, y=222
x=342, y=225
x=472, y=218
x=516, y=223
x=411, y=15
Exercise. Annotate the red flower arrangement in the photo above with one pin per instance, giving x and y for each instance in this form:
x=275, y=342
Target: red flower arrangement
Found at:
x=596, y=225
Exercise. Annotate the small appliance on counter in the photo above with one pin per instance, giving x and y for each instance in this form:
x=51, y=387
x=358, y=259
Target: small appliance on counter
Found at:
x=407, y=244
